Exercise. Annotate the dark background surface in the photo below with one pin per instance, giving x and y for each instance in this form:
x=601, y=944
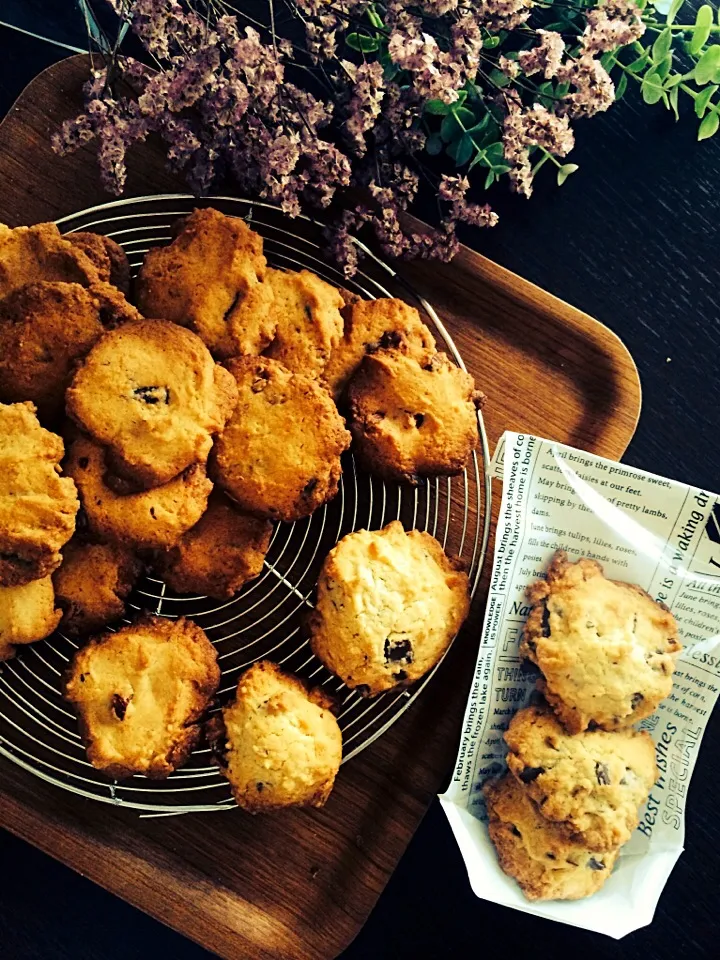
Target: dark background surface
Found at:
x=632, y=239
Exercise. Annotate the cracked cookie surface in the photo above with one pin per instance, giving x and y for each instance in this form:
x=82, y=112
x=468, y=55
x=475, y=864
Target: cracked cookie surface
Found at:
x=27, y=613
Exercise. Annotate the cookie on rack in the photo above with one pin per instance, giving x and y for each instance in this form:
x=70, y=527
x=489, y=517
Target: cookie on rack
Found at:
x=151, y=392
x=278, y=742
x=107, y=256
x=27, y=613
x=45, y=327
x=140, y=695
x=211, y=278
x=217, y=556
x=279, y=456
x=536, y=853
x=592, y=784
x=37, y=505
x=92, y=584
x=29, y=254
x=411, y=418
x=370, y=325
x=148, y=519
x=309, y=322
x=388, y=605
x=606, y=649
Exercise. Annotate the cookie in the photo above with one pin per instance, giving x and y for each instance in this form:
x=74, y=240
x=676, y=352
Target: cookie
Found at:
x=140, y=694
x=45, y=328
x=591, y=784
x=388, y=605
x=151, y=392
x=149, y=519
x=108, y=257
x=309, y=323
x=278, y=742
x=371, y=325
x=92, y=583
x=279, y=456
x=410, y=420
x=37, y=505
x=535, y=852
x=27, y=614
x=606, y=649
x=28, y=254
x=224, y=550
x=211, y=279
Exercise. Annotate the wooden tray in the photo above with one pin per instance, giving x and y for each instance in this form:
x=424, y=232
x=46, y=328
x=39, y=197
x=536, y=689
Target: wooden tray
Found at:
x=300, y=885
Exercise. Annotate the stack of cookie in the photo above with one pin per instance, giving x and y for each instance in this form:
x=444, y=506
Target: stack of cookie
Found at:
x=578, y=771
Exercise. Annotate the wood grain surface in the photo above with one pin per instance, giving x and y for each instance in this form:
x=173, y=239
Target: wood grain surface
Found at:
x=302, y=884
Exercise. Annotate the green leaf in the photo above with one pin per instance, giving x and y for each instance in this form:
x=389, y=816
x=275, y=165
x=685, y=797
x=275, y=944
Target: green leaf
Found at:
x=703, y=22
x=663, y=68
x=607, y=59
x=673, y=98
x=461, y=150
x=495, y=153
x=498, y=78
x=674, y=10
x=434, y=144
x=637, y=65
x=673, y=81
x=565, y=171
x=362, y=42
x=662, y=6
x=489, y=43
x=661, y=47
x=489, y=179
x=707, y=65
x=562, y=89
x=480, y=125
x=703, y=99
x=461, y=97
x=437, y=108
x=651, y=88
x=621, y=87
x=478, y=158
x=374, y=17
x=501, y=168
x=709, y=127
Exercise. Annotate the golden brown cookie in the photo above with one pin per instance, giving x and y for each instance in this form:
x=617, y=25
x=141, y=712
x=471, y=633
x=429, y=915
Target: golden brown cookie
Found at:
x=309, y=322
x=224, y=550
x=28, y=254
x=107, y=256
x=536, y=853
x=388, y=605
x=45, y=328
x=591, y=784
x=92, y=583
x=410, y=420
x=606, y=649
x=211, y=279
x=27, y=614
x=151, y=392
x=37, y=505
x=149, y=519
x=140, y=694
x=279, y=456
x=371, y=325
x=278, y=742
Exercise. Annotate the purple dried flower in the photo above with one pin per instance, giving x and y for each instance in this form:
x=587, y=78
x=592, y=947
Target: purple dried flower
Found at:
x=528, y=128
x=546, y=57
x=365, y=102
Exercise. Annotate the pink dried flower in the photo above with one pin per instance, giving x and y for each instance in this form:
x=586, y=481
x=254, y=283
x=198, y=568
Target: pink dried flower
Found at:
x=594, y=90
x=510, y=68
x=365, y=103
x=546, y=57
x=503, y=14
x=614, y=24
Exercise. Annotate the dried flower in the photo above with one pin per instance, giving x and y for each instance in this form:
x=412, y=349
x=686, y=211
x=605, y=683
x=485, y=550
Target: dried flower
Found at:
x=529, y=128
x=614, y=24
x=545, y=58
x=594, y=90
x=365, y=102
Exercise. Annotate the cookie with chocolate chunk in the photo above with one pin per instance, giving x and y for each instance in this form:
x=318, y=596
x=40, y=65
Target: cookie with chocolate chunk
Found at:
x=606, y=649
x=388, y=605
x=151, y=393
x=140, y=694
x=536, y=852
x=591, y=784
x=412, y=418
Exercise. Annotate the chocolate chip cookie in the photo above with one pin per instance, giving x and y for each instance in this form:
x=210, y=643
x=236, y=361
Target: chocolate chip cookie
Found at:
x=606, y=649
x=388, y=605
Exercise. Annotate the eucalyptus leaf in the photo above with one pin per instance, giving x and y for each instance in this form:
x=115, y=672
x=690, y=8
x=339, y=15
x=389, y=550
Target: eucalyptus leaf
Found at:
x=621, y=87
x=707, y=66
x=478, y=158
x=362, y=42
x=703, y=22
x=434, y=144
x=651, y=88
x=709, y=126
x=607, y=59
x=661, y=47
x=438, y=108
x=674, y=10
x=663, y=68
x=662, y=6
x=463, y=115
x=480, y=125
x=489, y=179
x=565, y=171
x=501, y=168
x=461, y=150
x=703, y=99
x=673, y=81
x=673, y=99
x=495, y=153
x=637, y=65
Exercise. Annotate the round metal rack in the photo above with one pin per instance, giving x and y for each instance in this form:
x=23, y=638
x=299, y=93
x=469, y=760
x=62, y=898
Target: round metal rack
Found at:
x=38, y=729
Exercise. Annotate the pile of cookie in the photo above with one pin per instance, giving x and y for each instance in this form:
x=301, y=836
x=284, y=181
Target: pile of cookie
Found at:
x=186, y=426
x=578, y=771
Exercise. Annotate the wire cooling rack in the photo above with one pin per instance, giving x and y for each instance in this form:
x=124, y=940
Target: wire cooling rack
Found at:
x=38, y=730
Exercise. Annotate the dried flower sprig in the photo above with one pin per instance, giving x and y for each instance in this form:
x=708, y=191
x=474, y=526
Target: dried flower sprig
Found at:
x=388, y=98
